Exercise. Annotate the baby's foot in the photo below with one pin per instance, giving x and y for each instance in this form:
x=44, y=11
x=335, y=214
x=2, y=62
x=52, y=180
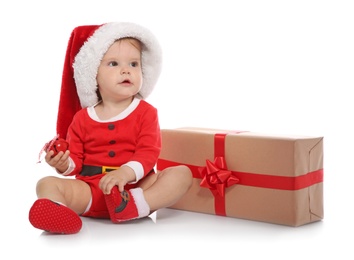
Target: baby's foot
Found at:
x=121, y=205
x=54, y=217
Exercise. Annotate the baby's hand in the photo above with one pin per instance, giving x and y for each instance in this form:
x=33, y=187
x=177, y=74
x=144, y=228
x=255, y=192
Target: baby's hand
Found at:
x=59, y=161
x=55, y=145
x=119, y=177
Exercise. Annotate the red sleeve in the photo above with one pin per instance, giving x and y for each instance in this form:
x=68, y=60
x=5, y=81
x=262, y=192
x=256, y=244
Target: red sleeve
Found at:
x=74, y=138
x=148, y=144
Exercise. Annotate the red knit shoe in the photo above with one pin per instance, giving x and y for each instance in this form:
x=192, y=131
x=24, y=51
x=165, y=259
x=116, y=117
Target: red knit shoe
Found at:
x=54, y=218
x=121, y=205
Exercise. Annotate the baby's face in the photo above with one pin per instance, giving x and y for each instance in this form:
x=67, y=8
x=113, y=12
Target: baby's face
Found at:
x=120, y=74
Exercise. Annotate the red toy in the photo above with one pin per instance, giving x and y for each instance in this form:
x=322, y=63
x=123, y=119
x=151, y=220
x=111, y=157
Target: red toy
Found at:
x=56, y=144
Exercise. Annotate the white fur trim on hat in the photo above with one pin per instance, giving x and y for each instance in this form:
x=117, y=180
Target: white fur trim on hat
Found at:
x=88, y=59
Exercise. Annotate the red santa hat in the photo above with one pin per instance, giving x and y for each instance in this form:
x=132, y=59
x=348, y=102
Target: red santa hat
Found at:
x=86, y=47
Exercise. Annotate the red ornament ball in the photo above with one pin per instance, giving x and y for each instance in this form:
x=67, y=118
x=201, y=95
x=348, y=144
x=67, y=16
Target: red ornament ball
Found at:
x=57, y=145
x=60, y=145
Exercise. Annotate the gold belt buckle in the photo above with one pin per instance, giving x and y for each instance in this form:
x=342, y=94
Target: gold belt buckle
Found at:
x=106, y=169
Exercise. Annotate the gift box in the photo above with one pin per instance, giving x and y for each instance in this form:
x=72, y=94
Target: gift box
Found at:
x=248, y=175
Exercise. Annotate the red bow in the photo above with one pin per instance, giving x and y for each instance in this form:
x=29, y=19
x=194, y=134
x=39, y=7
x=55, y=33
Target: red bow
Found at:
x=216, y=177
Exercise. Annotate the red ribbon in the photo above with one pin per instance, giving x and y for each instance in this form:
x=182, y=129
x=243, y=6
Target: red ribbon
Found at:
x=258, y=180
x=216, y=177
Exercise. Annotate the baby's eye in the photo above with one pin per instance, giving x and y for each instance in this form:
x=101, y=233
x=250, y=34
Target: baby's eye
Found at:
x=112, y=63
x=134, y=64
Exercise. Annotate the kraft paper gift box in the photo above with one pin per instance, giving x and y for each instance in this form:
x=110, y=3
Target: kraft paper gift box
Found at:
x=248, y=175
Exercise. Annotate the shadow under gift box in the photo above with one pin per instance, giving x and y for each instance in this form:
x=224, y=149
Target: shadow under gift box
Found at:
x=248, y=175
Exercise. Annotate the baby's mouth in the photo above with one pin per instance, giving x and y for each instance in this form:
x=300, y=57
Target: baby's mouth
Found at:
x=126, y=81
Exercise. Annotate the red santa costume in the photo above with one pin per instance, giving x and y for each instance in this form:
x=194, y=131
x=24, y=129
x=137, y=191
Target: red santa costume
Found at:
x=130, y=138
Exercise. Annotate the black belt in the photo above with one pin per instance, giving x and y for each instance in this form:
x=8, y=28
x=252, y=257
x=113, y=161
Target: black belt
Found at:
x=89, y=170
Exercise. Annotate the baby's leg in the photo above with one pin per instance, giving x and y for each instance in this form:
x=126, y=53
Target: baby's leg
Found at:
x=59, y=203
x=73, y=193
x=154, y=192
x=170, y=185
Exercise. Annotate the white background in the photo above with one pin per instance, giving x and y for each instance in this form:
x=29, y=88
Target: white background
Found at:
x=266, y=66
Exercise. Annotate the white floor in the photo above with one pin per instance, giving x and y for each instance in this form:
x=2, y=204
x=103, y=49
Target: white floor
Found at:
x=174, y=233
